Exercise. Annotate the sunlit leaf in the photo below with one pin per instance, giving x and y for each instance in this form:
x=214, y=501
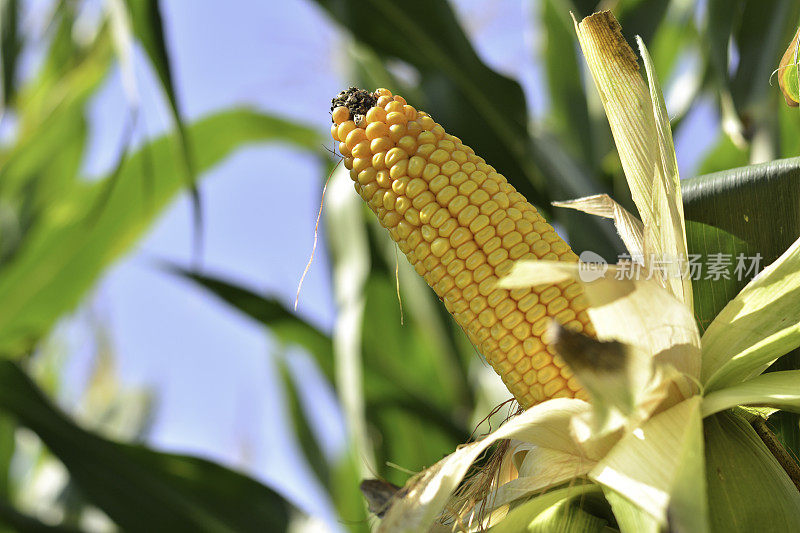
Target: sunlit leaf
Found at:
x=659, y=467
x=520, y=518
x=759, y=325
x=780, y=390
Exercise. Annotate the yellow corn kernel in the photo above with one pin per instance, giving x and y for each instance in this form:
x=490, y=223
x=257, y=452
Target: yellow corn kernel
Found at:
x=462, y=226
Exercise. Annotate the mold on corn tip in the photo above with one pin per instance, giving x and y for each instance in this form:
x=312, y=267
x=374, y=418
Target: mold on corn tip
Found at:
x=462, y=226
x=355, y=102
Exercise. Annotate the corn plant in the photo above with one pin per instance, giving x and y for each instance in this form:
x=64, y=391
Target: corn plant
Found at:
x=632, y=404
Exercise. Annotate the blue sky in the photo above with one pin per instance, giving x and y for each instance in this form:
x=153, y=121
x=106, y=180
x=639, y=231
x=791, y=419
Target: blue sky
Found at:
x=211, y=369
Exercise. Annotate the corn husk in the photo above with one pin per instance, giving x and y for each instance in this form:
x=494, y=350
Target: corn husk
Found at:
x=641, y=130
x=629, y=228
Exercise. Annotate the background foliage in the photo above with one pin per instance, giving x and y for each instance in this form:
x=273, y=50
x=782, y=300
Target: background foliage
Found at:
x=395, y=382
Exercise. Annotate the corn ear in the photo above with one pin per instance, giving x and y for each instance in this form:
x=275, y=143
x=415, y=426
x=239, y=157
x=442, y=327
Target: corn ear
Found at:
x=462, y=226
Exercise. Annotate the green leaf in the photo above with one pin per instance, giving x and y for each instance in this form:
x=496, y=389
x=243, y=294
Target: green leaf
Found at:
x=302, y=429
x=65, y=253
x=747, y=488
x=704, y=243
x=570, y=517
x=756, y=203
x=7, y=445
x=759, y=325
x=149, y=28
x=282, y=322
x=49, y=119
x=568, y=111
x=641, y=17
x=347, y=498
x=750, y=210
x=722, y=156
x=521, y=517
x=403, y=393
x=138, y=488
x=780, y=390
x=722, y=16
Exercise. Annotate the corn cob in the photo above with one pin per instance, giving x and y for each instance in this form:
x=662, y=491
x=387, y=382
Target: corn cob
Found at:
x=462, y=226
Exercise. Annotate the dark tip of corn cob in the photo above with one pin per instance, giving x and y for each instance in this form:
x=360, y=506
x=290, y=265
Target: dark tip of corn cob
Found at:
x=357, y=101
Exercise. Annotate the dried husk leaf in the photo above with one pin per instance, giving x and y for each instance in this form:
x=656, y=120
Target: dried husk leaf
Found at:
x=629, y=228
x=641, y=130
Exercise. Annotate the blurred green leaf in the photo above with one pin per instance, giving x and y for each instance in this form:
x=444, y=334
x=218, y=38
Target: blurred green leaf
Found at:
x=723, y=17
x=340, y=476
x=568, y=110
x=346, y=496
x=766, y=28
x=642, y=18
x=405, y=393
x=7, y=445
x=66, y=252
x=302, y=429
x=149, y=28
x=571, y=127
x=281, y=321
x=22, y=523
x=50, y=115
x=140, y=489
x=722, y=156
x=10, y=47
